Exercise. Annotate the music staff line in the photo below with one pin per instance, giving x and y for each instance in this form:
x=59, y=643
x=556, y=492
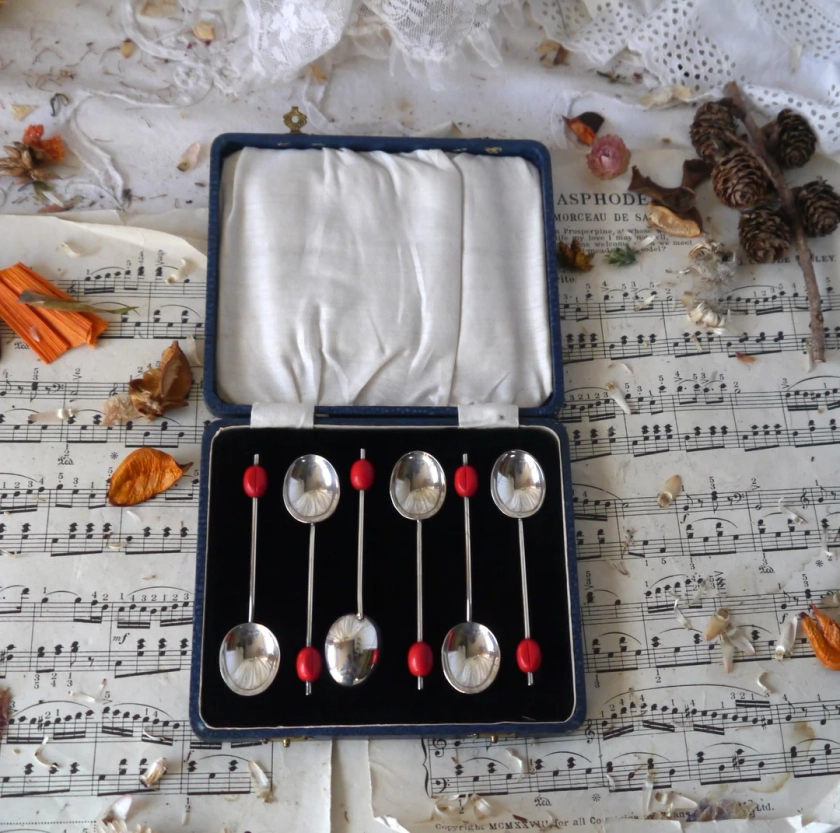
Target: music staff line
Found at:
x=165, y=434
x=621, y=304
x=125, y=328
x=69, y=392
x=86, y=541
x=121, y=615
x=589, y=347
x=711, y=396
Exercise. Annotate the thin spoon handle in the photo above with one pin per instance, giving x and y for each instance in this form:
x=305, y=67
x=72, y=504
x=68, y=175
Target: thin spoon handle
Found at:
x=524, y=571
x=468, y=551
x=419, y=590
x=360, y=563
x=252, y=592
x=310, y=594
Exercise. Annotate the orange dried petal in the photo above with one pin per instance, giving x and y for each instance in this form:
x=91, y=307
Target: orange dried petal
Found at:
x=33, y=134
x=826, y=654
x=830, y=628
x=54, y=148
x=145, y=473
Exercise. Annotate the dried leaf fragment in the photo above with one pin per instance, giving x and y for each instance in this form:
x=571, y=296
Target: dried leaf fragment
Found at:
x=190, y=157
x=552, y=54
x=21, y=111
x=717, y=624
x=585, y=126
x=727, y=653
x=205, y=31
x=154, y=773
x=744, y=358
x=119, y=409
x=670, y=489
x=572, y=256
x=621, y=256
x=145, y=473
x=127, y=48
x=165, y=387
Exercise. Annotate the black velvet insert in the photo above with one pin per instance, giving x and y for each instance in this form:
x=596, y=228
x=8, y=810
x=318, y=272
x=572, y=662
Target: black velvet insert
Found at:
x=390, y=695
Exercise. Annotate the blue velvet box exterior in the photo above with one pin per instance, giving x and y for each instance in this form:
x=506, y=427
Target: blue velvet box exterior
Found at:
x=238, y=414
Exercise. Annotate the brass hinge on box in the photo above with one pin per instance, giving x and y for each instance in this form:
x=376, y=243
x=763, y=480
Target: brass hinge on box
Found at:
x=295, y=120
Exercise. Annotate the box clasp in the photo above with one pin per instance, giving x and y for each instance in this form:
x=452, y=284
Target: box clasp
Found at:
x=488, y=416
x=282, y=415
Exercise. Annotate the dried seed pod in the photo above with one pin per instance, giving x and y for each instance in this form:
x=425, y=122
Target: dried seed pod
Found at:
x=740, y=181
x=670, y=489
x=717, y=624
x=819, y=208
x=143, y=474
x=154, y=773
x=764, y=233
x=165, y=387
x=739, y=640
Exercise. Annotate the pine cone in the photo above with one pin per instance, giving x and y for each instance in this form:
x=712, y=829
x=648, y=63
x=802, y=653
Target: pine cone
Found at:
x=795, y=141
x=764, y=233
x=25, y=162
x=740, y=181
x=708, y=132
x=819, y=208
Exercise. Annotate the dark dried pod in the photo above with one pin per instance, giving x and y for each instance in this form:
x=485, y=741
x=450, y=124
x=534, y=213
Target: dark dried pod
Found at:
x=740, y=181
x=819, y=208
x=764, y=233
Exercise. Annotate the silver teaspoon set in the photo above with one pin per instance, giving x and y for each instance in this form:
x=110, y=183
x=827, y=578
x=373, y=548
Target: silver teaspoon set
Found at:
x=249, y=657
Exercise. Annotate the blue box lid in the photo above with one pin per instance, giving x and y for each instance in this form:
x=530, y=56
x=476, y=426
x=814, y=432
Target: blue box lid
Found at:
x=229, y=143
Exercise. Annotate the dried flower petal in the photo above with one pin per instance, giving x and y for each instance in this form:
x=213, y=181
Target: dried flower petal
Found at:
x=585, y=126
x=717, y=624
x=792, y=515
x=828, y=655
x=205, y=31
x=761, y=684
x=572, y=256
x=260, y=782
x=159, y=8
x=674, y=801
x=830, y=628
x=744, y=358
x=647, y=793
x=181, y=272
x=670, y=489
x=51, y=417
x=5, y=707
x=698, y=594
x=609, y=157
x=71, y=250
x=686, y=623
x=194, y=354
x=21, y=111
x=143, y=474
x=664, y=219
x=727, y=653
x=118, y=810
x=37, y=299
x=39, y=752
x=699, y=312
x=647, y=302
x=190, y=158
x=617, y=397
x=164, y=387
x=154, y=773
x=128, y=48
x=739, y=640
x=665, y=95
x=618, y=565
x=119, y=409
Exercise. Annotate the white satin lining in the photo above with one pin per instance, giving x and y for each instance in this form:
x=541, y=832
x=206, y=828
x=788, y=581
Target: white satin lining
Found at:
x=382, y=279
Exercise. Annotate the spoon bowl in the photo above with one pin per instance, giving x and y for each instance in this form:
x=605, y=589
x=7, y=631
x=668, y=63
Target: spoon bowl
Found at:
x=249, y=658
x=352, y=649
x=418, y=486
x=311, y=489
x=517, y=484
x=470, y=657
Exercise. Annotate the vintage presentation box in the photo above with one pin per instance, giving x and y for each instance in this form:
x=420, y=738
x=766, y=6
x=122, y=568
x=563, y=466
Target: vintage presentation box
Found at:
x=392, y=295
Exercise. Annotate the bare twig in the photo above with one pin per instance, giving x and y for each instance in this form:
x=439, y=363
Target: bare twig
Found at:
x=759, y=149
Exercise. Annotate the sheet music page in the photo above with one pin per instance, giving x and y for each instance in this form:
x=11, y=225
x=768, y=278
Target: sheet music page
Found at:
x=96, y=602
x=751, y=429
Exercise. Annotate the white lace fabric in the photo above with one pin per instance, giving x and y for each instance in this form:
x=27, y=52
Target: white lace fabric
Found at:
x=784, y=53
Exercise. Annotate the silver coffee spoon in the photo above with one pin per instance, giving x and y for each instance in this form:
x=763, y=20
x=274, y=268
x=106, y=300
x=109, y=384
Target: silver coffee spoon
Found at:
x=517, y=485
x=352, y=644
x=418, y=489
x=470, y=653
x=310, y=491
x=250, y=654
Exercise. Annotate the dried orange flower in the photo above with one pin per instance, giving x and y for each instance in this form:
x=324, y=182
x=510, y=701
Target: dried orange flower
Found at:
x=145, y=473
x=824, y=636
x=572, y=256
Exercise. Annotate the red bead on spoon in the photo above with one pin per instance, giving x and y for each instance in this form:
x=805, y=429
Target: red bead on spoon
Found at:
x=255, y=481
x=466, y=481
x=420, y=659
x=308, y=664
x=528, y=656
